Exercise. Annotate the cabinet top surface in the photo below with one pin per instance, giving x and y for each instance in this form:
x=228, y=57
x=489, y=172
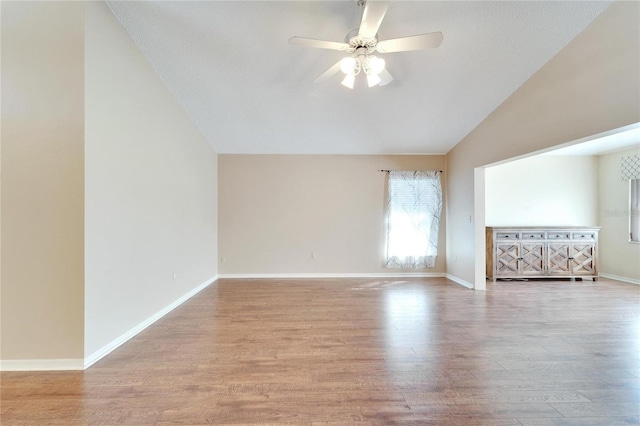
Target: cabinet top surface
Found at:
x=541, y=228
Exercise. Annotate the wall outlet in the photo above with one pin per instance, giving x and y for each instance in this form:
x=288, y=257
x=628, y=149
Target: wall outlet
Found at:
x=314, y=255
x=469, y=217
x=223, y=259
x=175, y=275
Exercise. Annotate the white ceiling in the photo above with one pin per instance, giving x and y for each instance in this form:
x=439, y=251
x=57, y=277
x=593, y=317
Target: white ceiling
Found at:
x=603, y=145
x=230, y=65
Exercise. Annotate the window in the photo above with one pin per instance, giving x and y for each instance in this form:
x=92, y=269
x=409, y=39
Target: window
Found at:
x=413, y=221
x=630, y=170
x=634, y=210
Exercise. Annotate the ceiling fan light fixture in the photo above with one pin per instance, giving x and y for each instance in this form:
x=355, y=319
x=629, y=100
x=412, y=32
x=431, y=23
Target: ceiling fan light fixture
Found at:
x=373, y=79
x=349, y=80
x=375, y=65
x=362, y=41
x=348, y=64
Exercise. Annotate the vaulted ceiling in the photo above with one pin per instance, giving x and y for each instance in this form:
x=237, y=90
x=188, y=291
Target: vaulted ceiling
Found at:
x=230, y=66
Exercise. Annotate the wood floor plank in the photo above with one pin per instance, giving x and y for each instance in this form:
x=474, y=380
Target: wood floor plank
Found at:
x=458, y=414
x=365, y=352
x=484, y=397
x=598, y=409
x=545, y=384
x=603, y=395
x=623, y=382
x=582, y=421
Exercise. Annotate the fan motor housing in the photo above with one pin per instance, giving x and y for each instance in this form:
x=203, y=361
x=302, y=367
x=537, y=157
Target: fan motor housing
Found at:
x=355, y=41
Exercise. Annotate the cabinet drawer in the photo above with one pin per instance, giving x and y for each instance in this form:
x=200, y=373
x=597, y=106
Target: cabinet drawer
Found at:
x=507, y=236
x=557, y=235
x=533, y=235
x=583, y=235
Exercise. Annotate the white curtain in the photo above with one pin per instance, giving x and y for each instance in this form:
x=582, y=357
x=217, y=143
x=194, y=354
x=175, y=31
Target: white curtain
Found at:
x=413, y=221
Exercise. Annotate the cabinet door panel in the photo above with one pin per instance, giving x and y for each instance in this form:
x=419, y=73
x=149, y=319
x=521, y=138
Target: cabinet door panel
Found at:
x=507, y=259
x=558, y=259
x=532, y=259
x=582, y=258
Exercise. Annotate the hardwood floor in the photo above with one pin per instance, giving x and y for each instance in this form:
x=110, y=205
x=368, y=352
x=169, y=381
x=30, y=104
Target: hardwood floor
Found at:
x=363, y=352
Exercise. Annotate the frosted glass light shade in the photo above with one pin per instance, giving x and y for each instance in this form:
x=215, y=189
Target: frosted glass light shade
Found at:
x=376, y=65
x=372, y=80
x=348, y=80
x=348, y=64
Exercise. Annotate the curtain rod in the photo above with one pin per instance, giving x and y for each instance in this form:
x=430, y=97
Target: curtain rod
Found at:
x=439, y=171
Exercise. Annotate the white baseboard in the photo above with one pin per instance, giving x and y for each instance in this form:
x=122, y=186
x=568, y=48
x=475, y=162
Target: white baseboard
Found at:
x=459, y=281
x=619, y=278
x=105, y=350
x=339, y=275
x=41, y=364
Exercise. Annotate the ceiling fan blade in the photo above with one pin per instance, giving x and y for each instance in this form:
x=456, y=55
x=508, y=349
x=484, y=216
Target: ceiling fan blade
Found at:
x=385, y=77
x=328, y=73
x=403, y=44
x=321, y=44
x=372, y=16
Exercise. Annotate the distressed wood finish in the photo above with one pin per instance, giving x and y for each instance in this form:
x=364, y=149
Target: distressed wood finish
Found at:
x=364, y=352
x=542, y=252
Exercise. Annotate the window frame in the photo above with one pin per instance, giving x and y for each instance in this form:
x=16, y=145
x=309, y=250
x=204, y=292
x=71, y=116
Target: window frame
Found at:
x=634, y=211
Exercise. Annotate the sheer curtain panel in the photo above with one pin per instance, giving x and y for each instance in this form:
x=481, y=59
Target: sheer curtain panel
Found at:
x=634, y=210
x=413, y=221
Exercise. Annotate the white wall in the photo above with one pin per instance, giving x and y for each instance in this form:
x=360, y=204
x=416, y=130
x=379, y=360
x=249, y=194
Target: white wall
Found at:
x=543, y=190
x=42, y=182
x=151, y=188
x=590, y=87
x=618, y=257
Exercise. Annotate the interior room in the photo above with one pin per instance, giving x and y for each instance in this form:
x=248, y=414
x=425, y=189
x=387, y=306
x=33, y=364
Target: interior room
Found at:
x=581, y=185
x=197, y=211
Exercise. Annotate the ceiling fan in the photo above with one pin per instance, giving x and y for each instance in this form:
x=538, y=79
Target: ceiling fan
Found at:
x=361, y=43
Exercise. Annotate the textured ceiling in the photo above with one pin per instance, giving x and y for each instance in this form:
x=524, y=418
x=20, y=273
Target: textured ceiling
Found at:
x=613, y=142
x=230, y=65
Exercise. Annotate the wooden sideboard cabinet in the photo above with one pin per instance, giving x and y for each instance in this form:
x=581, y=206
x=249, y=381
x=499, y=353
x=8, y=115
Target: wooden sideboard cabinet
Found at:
x=542, y=252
